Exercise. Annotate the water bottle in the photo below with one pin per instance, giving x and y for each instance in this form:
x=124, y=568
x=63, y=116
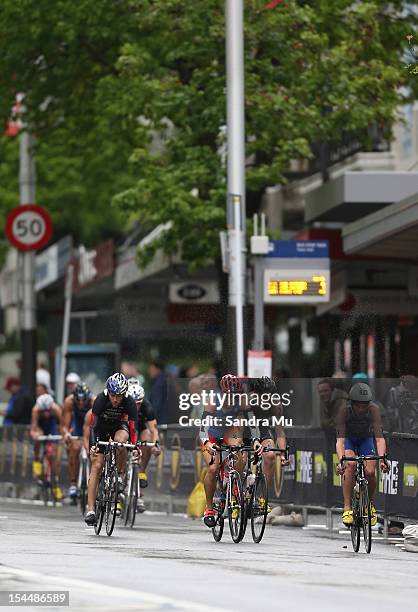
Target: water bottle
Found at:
x=250, y=479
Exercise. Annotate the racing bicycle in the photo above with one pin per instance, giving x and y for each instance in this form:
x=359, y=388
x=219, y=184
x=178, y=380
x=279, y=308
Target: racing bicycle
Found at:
x=361, y=504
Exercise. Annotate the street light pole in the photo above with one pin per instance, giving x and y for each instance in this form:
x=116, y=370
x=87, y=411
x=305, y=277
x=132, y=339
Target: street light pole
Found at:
x=27, y=184
x=234, y=27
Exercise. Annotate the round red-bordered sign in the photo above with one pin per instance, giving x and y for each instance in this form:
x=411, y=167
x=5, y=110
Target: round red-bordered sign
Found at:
x=28, y=227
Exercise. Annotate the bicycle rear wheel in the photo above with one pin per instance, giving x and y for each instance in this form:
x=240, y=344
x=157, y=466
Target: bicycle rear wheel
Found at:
x=366, y=516
x=259, y=507
x=132, y=497
x=219, y=506
x=111, y=501
x=355, y=526
x=100, y=507
x=236, y=507
x=83, y=487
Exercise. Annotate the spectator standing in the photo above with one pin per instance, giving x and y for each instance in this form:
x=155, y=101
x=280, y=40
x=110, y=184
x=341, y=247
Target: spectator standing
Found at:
x=332, y=399
x=158, y=392
x=19, y=406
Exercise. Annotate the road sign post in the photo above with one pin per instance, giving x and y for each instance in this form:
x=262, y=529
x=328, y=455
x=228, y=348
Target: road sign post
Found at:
x=28, y=228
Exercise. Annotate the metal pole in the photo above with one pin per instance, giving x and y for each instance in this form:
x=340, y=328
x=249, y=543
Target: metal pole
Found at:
x=27, y=185
x=234, y=22
x=258, y=303
x=65, y=332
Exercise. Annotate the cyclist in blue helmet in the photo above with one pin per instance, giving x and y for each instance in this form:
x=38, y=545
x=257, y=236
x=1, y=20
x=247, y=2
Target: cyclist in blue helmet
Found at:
x=113, y=416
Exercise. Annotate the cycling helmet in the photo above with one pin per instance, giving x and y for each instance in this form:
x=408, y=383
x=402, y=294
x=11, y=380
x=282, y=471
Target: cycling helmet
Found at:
x=360, y=392
x=133, y=381
x=264, y=384
x=136, y=392
x=44, y=401
x=117, y=384
x=361, y=375
x=230, y=383
x=82, y=392
x=72, y=378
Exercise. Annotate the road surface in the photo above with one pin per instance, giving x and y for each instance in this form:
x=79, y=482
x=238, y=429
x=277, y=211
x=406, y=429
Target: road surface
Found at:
x=172, y=563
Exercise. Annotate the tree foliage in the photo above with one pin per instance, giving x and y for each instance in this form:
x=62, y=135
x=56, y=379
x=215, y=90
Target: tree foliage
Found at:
x=145, y=79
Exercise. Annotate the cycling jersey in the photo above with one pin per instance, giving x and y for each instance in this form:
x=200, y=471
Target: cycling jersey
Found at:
x=145, y=414
x=77, y=419
x=359, y=425
x=219, y=421
x=47, y=422
x=106, y=419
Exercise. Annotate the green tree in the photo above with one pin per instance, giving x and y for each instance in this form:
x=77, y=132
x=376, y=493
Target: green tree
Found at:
x=145, y=79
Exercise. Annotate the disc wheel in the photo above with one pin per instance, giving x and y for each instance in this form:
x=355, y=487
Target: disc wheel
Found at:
x=219, y=506
x=366, y=518
x=111, y=501
x=259, y=507
x=236, y=507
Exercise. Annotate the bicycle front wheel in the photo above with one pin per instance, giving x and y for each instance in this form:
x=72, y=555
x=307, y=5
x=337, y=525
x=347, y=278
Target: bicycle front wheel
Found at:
x=355, y=526
x=111, y=496
x=259, y=507
x=132, y=498
x=219, y=506
x=366, y=517
x=236, y=507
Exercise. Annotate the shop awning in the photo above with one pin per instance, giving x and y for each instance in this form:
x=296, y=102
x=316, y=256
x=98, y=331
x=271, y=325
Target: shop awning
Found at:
x=355, y=194
x=391, y=232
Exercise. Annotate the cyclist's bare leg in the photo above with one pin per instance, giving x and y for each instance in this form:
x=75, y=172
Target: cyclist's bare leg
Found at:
x=233, y=437
x=210, y=479
x=269, y=459
x=348, y=479
x=97, y=463
x=145, y=436
x=370, y=472
x=73, y=461
x=121, y=453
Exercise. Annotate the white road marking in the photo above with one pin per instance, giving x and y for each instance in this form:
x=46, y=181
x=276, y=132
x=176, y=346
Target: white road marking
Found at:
x=104, y=591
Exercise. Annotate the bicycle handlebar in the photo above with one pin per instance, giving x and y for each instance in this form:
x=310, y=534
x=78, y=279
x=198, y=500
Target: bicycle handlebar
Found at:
x=118, y=444
x=361, y=458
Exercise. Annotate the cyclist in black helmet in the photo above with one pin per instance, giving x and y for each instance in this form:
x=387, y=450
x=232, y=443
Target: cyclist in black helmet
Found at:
x=359, y=431
x=269, y=431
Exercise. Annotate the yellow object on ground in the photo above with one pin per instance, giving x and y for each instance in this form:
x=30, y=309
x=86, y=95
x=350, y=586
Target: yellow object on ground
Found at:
x=196, y=503
x=58, y=494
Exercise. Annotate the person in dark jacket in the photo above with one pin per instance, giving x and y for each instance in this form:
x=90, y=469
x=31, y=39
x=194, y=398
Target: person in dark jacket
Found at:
x=158, y=395
x=19, y=406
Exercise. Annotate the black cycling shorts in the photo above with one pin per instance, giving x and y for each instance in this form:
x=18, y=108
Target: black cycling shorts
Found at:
x=104, y=431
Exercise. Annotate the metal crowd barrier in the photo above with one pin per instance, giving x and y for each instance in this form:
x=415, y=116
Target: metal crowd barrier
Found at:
x=309, y=482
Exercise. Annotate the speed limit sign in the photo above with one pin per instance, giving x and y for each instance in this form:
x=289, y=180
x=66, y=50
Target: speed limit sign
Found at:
x=28, y=227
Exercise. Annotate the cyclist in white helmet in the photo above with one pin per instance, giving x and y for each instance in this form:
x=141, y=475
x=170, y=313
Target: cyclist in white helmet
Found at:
x=148, y=432
x=46, y=417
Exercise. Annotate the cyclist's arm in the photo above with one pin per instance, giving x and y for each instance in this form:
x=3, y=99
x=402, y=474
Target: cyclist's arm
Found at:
x=378, y=429
x=67, y=414
x=341, y=428
x=34, y=428
x=86, y=429
x=153, y=428
x=132, y=414
x=95, y=412
x=57, y=411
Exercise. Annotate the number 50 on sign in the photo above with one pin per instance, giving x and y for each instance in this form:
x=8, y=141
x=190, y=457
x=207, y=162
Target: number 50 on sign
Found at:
x=28, y=227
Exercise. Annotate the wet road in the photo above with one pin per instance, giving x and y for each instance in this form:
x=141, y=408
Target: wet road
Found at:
x=172, y=563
